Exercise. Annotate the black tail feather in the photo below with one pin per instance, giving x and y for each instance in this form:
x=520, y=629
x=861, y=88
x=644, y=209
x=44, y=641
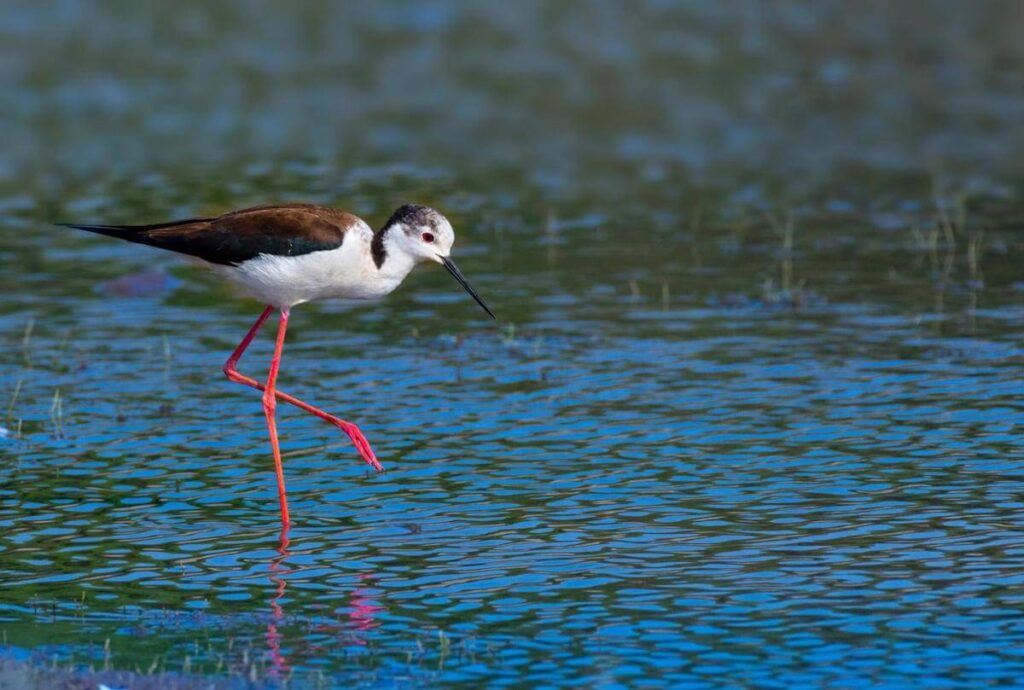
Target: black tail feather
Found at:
x=126, y=232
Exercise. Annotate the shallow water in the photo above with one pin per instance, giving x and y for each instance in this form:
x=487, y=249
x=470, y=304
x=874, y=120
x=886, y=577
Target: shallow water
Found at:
x=751, y=414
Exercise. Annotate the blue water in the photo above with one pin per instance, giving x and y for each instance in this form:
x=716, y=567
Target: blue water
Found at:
x=746, y=420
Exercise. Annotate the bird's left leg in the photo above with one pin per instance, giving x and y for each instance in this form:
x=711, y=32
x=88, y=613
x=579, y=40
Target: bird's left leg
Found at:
x=350, y=429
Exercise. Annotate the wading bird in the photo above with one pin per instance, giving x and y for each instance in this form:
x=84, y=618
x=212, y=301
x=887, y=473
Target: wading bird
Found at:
x=288, y=254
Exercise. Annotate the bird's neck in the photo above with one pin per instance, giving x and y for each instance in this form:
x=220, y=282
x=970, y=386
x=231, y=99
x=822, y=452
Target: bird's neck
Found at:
x=378, y=251
x=392, y=263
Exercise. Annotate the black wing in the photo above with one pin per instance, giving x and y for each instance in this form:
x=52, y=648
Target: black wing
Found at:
x=285, y=230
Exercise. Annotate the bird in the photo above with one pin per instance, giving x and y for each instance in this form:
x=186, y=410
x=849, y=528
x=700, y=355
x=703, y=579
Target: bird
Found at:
x=288, y=254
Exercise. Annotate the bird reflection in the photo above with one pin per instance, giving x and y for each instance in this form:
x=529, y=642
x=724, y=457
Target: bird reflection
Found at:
x=278, y=572
x=358, y=617
x=361, y=613
x=361, y=609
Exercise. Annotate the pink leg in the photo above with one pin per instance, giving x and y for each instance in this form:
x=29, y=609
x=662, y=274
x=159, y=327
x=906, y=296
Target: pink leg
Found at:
x=353, y=432
x=270, y=410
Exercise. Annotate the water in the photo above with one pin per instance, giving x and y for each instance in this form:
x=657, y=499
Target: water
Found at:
x=750, y=417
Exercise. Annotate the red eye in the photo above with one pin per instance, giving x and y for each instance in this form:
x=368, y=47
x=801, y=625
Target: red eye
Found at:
x=428, y=237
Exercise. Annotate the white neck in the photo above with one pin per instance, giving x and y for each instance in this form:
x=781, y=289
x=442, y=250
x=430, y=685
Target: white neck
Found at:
x=396, y=265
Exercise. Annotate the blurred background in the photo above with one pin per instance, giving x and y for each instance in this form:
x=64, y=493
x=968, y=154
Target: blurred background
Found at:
x=751, y=412
x=805, y=98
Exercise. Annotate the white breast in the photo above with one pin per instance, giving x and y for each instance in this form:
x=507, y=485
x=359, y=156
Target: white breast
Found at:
x=346, y=272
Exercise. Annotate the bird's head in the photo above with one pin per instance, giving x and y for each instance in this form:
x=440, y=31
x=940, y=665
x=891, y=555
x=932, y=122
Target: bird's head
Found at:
x=421, y=232
x=424, y=234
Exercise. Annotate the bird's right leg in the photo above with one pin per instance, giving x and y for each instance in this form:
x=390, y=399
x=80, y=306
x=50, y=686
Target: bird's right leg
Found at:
x=270, y=409
x=350, y=429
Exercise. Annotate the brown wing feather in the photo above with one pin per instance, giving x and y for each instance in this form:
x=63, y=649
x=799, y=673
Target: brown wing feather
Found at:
x=237, y=236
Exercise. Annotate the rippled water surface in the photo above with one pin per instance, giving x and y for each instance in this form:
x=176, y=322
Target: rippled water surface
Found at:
x=751, y=415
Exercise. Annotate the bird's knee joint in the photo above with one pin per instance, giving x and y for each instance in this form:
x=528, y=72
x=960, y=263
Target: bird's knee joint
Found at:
x=269, y=401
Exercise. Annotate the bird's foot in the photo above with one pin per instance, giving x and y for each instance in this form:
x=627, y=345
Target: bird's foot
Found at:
x=362, y=445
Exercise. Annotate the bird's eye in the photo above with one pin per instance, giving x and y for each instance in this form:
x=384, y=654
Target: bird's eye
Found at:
x=428, y=237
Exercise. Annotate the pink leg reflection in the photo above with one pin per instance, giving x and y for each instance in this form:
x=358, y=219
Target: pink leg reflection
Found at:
x=362, y=611
x=361, y=614
x=278, y=571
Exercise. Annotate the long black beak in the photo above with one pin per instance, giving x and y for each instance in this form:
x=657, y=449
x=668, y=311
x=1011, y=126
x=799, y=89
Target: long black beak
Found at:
x=457, y=274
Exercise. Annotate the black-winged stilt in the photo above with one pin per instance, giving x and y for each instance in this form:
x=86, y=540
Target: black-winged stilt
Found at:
x=287, y=254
